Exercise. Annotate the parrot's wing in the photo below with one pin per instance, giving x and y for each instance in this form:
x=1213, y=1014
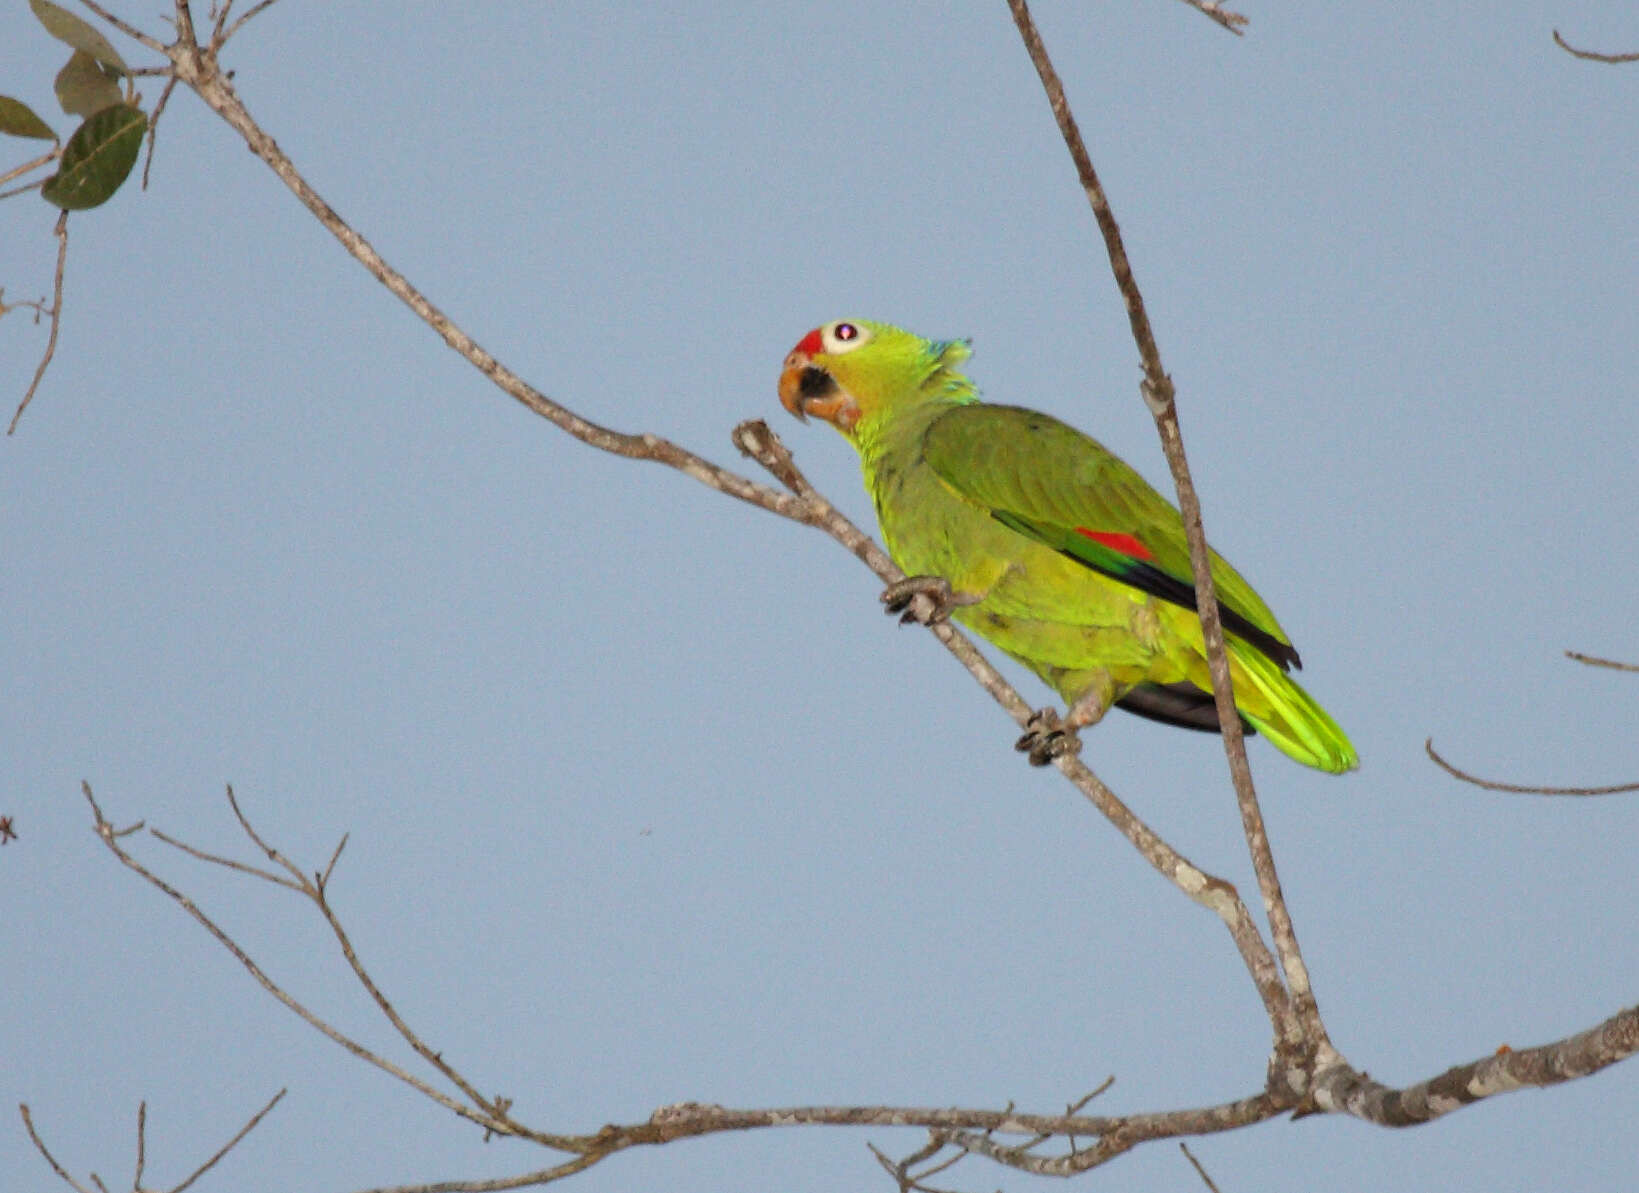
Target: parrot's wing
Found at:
x=1048, y=481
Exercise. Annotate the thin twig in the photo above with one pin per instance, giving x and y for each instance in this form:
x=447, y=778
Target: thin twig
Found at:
x=1521, y=788
x=45, y=159
x=330, y=866
x=153, y=127
x=40, y=1146
x=1233, y=21
x=253, y=11
x=142, y=1143
x=541, y=1176
x=1595, y=661
x=217, y=860
x=229, y=1145
x=61, y=232
x=1201, y=1172
x=1592, y=56
x=131, y=31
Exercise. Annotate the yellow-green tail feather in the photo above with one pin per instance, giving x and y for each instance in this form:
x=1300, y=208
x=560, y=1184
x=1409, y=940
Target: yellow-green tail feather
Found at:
x=1288, y=716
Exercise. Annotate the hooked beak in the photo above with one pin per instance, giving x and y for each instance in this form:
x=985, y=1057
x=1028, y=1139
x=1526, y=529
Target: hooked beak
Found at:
x=806, y=389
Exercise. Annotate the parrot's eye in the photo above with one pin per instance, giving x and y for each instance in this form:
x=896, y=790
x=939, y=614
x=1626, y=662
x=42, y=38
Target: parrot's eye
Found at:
x=844, y=337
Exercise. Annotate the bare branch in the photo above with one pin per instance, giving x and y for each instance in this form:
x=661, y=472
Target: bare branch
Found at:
x=1200, y=1171
x=217, y=860
x=1343, y=1091
x=541, y=1176
x=129, y=30
x=111, y=838
x=45, y=159
x=916, y=1182
x=226, y=1147
x=61, y=232
x=39, y=1145
x=1590, y=55
x=153, y=126
x=1595, y=661
x=1233, y=21
x=253, y=11
x=1519, y=788
x=199, y=71
x=1307, y=1032
x=142, y=1144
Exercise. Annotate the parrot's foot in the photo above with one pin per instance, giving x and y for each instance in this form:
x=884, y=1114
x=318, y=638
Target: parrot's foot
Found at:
x=1047, y=737
x=925, y=600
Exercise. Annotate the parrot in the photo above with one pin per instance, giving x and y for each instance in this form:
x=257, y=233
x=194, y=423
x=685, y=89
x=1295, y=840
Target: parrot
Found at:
x=1040, y=540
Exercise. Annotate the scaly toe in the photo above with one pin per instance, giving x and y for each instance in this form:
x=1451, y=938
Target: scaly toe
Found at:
x=921, y=599
x=1045, y=738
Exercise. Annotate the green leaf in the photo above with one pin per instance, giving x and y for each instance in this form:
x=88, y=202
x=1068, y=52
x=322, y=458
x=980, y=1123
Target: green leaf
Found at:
x=84, y=86
x=97, y=158
x=68, y=28
x=18, y=119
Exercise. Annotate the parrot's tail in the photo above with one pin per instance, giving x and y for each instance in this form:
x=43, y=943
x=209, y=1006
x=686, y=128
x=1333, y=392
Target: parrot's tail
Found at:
x=1287, y=715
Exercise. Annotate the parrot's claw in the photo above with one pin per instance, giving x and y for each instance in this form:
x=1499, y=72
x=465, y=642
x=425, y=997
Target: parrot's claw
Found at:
x=1047, y=737
x=926, y=600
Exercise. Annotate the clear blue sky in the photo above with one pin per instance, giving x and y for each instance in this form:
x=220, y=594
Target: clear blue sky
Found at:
x=648, y=801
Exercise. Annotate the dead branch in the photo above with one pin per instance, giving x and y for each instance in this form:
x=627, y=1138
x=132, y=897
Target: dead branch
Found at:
x=142, y=1149
x=1591, y=55
x=1199, y=1170
x=1233, y=21
x=1504, y=1071
x=1520, y=788
x=1595, y=661
x=56, y=314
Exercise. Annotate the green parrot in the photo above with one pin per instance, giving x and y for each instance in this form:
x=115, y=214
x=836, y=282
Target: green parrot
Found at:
x=1037, y=538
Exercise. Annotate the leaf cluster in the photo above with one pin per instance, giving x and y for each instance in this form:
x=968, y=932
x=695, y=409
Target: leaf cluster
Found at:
x=98, y=155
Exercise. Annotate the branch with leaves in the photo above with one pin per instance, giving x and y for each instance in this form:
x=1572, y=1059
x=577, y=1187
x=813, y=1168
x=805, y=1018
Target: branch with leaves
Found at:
x=1305, y=1073
x=94, y=162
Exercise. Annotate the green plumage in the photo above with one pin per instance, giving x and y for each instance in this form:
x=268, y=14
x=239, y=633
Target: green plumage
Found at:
x=1069, y=560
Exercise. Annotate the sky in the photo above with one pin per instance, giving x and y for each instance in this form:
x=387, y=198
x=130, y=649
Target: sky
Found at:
x=645, y=799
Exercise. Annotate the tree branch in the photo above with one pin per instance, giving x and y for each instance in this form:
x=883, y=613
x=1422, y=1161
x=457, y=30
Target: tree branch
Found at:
x=1594, y=661
x=1344, y=1091
x=1519, y=788
x=1233, y=21
x=1308, y=1033
x=142, y=1149
x=56, y=314
x=1591, y=55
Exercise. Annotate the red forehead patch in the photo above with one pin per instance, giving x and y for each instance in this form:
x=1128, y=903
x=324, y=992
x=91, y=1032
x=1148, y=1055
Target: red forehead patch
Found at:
x=810, y=343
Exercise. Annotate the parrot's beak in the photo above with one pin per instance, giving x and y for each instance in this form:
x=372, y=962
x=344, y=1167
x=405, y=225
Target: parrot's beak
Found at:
x=806, y=389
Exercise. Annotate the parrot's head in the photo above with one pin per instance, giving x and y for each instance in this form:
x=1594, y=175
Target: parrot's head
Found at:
x=853, y=372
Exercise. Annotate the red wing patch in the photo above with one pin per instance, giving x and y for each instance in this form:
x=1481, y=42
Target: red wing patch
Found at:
x=1126, y=544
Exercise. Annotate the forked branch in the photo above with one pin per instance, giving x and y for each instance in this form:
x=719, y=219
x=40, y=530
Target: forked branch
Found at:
x=142, y=1150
